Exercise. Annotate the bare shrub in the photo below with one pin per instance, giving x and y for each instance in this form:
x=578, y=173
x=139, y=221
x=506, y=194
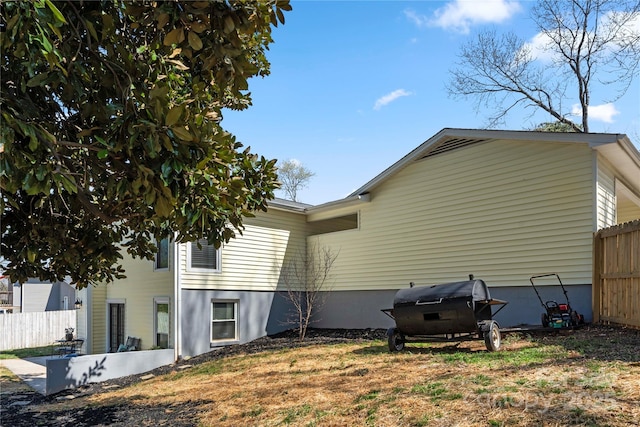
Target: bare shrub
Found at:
x=307, y=281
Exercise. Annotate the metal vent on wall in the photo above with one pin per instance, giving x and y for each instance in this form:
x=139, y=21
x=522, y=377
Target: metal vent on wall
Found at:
x=452, y=144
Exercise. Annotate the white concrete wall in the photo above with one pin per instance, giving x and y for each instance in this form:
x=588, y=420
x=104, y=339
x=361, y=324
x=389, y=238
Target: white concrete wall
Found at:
x=72, y=372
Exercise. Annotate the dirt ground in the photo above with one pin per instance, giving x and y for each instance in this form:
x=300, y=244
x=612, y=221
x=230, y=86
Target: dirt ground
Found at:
x=361, y=369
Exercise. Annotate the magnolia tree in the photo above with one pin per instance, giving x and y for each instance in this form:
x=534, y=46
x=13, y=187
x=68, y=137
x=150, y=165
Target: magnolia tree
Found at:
x=110, y=129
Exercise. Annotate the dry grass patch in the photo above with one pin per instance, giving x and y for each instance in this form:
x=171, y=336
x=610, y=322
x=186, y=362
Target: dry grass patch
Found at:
x=10, y=383
x=528, y=383
x=551, y=381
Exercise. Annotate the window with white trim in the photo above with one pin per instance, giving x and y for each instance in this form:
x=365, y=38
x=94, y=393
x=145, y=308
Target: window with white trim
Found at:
x=162, y=256
x=224, y=320
x=203, y=258
x=162, y=321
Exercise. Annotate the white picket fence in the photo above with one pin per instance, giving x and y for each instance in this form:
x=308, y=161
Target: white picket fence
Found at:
x=26, y=330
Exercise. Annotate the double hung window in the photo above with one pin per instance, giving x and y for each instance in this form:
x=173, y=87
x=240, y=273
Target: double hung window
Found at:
x=161, y=321
x=224, y=321
x=205, y=258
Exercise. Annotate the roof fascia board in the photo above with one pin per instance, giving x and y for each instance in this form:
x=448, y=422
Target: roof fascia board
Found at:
x=272, y=204
x=624, y=157
x=633, y=153
x=339, y=204
x=593, y=139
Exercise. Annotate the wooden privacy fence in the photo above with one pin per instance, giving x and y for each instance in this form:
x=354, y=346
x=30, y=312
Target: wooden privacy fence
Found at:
x=616, y=275
x=25, y=330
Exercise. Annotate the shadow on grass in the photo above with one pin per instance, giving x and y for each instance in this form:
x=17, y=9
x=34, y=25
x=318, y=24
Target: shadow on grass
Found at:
x=598, y=342
x=421, y=348
x=604, y=343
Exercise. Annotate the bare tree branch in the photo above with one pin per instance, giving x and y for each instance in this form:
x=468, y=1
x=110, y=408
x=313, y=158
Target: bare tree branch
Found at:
x=307, y=281
x=293, y=176
x=585, y=38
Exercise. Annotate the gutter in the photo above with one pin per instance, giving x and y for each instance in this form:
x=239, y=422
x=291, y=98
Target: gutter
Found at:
x=342, y=203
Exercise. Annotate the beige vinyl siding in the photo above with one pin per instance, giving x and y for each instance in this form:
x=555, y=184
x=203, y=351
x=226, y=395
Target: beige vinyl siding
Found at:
x=627, y=211
x=502, y=211
x=606, y=195
x=253, y=260
x=138, y=291
x=98, y=319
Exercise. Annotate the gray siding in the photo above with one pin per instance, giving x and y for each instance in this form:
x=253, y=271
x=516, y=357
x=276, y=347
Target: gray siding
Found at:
x=361, y=309
x=36, y=296
x=259, y=314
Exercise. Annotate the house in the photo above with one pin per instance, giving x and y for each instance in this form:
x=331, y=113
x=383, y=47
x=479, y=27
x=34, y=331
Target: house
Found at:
x=6, y=295
x=36, y=295
x=194, y=299
x=502, y=205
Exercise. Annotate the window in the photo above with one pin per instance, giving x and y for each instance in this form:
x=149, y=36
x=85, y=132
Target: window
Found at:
x=161, y=310
x=332, y=225
x=224, y=320
x=162, y=256
x=206, y=258
x=116, y=328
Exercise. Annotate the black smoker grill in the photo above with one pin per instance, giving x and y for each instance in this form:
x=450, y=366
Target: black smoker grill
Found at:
x=447, y=311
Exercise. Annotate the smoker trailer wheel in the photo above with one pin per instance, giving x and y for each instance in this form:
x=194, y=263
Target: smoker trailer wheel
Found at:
x=459, y=310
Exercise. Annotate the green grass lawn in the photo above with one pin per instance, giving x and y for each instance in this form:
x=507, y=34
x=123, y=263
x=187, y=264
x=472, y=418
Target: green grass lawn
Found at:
x=23, y=353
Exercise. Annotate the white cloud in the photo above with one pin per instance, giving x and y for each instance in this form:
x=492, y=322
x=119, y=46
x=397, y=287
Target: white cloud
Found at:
x=538, y=47
x=603, y=113
x=629, y=30
x=461, y=15
x=418, y=20
x=542, y=48
x=390, y=97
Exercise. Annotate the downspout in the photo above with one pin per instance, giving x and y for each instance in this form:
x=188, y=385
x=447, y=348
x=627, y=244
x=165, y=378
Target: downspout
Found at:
x=177, y=324
x=88, y=307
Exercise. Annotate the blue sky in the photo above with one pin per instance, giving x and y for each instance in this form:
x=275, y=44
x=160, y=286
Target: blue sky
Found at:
x=356, y=85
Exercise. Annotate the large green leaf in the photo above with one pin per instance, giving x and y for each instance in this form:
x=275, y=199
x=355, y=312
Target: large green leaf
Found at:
x=174, y=115
x=194, y=41
x=182, y=133
x=37, y=80
x=175, y=36
x=58, y=15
